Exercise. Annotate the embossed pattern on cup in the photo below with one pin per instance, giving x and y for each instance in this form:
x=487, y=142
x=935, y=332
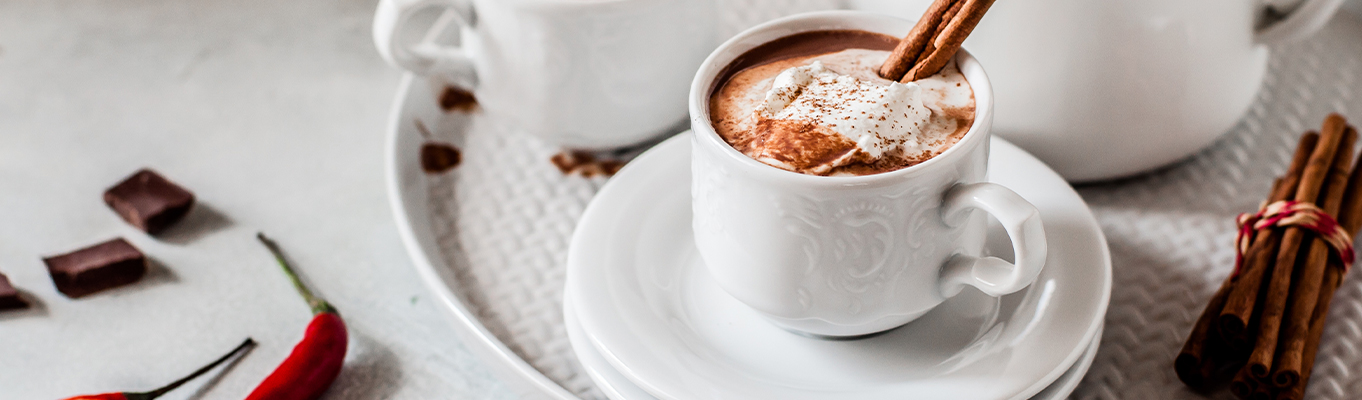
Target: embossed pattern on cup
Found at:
x=773, y=236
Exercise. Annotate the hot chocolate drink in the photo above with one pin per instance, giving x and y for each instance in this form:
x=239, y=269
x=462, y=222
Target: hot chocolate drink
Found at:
x=814, y=103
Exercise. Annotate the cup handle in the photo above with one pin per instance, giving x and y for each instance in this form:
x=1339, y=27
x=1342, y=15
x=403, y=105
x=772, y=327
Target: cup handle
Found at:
x=423, y=57
x=993, y=275
x=1301, y=22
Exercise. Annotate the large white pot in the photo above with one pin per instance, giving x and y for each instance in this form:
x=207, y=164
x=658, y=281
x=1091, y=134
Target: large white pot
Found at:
x=1107, y=89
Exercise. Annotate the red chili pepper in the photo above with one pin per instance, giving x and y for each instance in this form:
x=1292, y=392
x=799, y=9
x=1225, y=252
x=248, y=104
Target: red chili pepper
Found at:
x=167, y=388
x=105, y=396
x=316, y=360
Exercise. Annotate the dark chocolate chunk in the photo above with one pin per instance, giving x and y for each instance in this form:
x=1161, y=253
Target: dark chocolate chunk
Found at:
x=103, y=266
x=9, y=296
x=439, y=157
x=148, y=201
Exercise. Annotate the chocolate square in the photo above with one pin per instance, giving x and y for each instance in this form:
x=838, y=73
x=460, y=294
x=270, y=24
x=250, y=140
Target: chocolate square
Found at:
x=103, y=266
x=148, y=201
x=9, y=296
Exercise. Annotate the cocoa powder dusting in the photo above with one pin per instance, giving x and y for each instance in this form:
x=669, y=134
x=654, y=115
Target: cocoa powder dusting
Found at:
x=454, y=98
x=573, y=162
x=801, y=145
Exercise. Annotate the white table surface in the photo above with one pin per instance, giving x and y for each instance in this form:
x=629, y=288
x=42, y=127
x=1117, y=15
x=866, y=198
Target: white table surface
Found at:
x=272, y=113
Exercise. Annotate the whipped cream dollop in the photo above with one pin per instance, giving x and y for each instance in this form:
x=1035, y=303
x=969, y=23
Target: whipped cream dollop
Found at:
x=877, y=117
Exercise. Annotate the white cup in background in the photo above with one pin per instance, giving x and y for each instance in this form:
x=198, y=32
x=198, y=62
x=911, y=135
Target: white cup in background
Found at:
x=1107, y=89
x=588, y=74
x=849, y=256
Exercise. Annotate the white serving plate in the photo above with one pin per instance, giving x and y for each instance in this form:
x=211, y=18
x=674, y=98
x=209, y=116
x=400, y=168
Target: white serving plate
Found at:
x=489, y=238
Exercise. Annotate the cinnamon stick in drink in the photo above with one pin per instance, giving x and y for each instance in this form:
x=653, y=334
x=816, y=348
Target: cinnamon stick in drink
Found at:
x=1239, y=305
x=1279, y=286
x=910, y=48
x=946, y=19
x=1305, y=288
x=948, y=41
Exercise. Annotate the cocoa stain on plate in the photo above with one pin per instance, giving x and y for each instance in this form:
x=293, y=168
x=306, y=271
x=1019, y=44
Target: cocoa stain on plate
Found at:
x=575, y=162
x=460, y=99
x=437, y=157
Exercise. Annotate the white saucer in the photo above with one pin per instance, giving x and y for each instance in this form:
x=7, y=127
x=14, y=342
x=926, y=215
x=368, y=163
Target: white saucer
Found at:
x=645, y=302
x=617, y=387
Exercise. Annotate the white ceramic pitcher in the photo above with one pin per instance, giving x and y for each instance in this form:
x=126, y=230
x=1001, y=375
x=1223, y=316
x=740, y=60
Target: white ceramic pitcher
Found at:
x=587, y=74
x=1107, y=89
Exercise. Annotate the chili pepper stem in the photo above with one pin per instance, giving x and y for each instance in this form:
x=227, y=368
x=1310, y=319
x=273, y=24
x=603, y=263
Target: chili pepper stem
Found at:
x=176, y=384
x=317, y=304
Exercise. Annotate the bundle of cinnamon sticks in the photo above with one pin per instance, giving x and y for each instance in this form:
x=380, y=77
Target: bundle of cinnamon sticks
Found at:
x=1261, y=329
x=934, y=40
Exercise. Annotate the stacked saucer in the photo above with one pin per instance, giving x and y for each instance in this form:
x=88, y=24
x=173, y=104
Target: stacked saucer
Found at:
x=646, y=320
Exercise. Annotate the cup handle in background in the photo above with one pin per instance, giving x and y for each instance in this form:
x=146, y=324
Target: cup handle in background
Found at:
x=993, y=275
x=424, y=57
x=1301, y=22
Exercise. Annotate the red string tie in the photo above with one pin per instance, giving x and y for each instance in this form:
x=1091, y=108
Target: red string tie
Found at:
x=1293, y=213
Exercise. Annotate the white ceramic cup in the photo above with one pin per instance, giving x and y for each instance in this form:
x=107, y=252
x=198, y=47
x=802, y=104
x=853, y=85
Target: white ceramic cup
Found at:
x=850, y=256
x=587, y=74
x=1107, y=89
